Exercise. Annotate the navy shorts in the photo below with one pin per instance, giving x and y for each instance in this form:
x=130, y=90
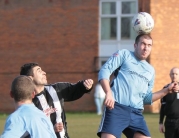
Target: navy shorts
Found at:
x=123, y=119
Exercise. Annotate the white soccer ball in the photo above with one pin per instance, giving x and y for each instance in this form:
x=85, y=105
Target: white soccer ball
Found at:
x=143, y=23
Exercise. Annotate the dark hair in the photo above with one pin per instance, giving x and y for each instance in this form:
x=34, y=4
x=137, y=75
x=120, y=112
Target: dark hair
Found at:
x=22, y=88
x=26, y=69
x=142, y=35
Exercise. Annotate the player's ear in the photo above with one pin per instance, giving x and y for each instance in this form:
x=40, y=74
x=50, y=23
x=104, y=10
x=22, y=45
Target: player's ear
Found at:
x=33, y=94
x=135, y=45
x=11, y=94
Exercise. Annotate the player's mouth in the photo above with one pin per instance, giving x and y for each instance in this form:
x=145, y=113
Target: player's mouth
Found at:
x=45, y=78
x=144, y=54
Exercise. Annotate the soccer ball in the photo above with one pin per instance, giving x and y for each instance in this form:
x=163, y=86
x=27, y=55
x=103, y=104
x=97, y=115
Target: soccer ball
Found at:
x=143, y=23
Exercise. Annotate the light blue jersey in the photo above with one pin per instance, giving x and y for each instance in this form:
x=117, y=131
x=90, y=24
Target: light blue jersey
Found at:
x=134, y=82
x=28, y=120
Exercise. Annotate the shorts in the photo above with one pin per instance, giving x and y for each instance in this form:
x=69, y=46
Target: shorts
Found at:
x=123, y=119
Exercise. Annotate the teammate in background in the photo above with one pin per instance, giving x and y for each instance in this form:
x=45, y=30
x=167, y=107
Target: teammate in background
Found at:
x=130, y=89
x=27, y=121
x=99, y=97
x=169, y=109
x=50, y=98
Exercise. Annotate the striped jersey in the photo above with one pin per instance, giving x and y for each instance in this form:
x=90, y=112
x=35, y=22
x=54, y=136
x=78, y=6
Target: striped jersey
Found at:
x=52, y=98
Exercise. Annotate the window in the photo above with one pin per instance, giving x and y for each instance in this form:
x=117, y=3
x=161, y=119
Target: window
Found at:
x=115, y=19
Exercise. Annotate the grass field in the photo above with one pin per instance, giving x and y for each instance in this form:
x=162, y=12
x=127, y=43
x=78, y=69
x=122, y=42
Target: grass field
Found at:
x=85, y=125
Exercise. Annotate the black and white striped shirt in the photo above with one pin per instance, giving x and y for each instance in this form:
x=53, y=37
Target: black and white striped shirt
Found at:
x=51, y=99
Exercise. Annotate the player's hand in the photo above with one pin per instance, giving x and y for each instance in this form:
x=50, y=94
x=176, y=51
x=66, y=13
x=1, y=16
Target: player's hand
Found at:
x=176, y=87
x=161, y=128
x=58, y=127
x=88, y=83
x=109, y=100
x=173, y=87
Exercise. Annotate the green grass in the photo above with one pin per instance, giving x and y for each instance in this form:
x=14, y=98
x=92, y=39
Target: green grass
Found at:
x=85, y=125
x=2, y=122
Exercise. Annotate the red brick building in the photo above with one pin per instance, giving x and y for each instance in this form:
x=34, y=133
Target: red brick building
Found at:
x=66, y=36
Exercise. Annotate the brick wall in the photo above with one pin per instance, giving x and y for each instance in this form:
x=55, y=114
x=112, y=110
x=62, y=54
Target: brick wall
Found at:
x=166, y=45
x=62, y=36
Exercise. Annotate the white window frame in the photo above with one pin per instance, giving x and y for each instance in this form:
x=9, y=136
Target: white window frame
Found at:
x=107, y=47
x=118, y=16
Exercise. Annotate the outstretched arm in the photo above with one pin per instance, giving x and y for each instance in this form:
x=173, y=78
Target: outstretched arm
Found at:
x=73, y=91
x=173, y=87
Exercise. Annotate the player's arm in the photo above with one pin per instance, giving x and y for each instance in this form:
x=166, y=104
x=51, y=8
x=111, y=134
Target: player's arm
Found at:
x=109, y=100
x=173, y=87
x=73, y=91
x=114, y=62
x=162, y=115
x=152, y=97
